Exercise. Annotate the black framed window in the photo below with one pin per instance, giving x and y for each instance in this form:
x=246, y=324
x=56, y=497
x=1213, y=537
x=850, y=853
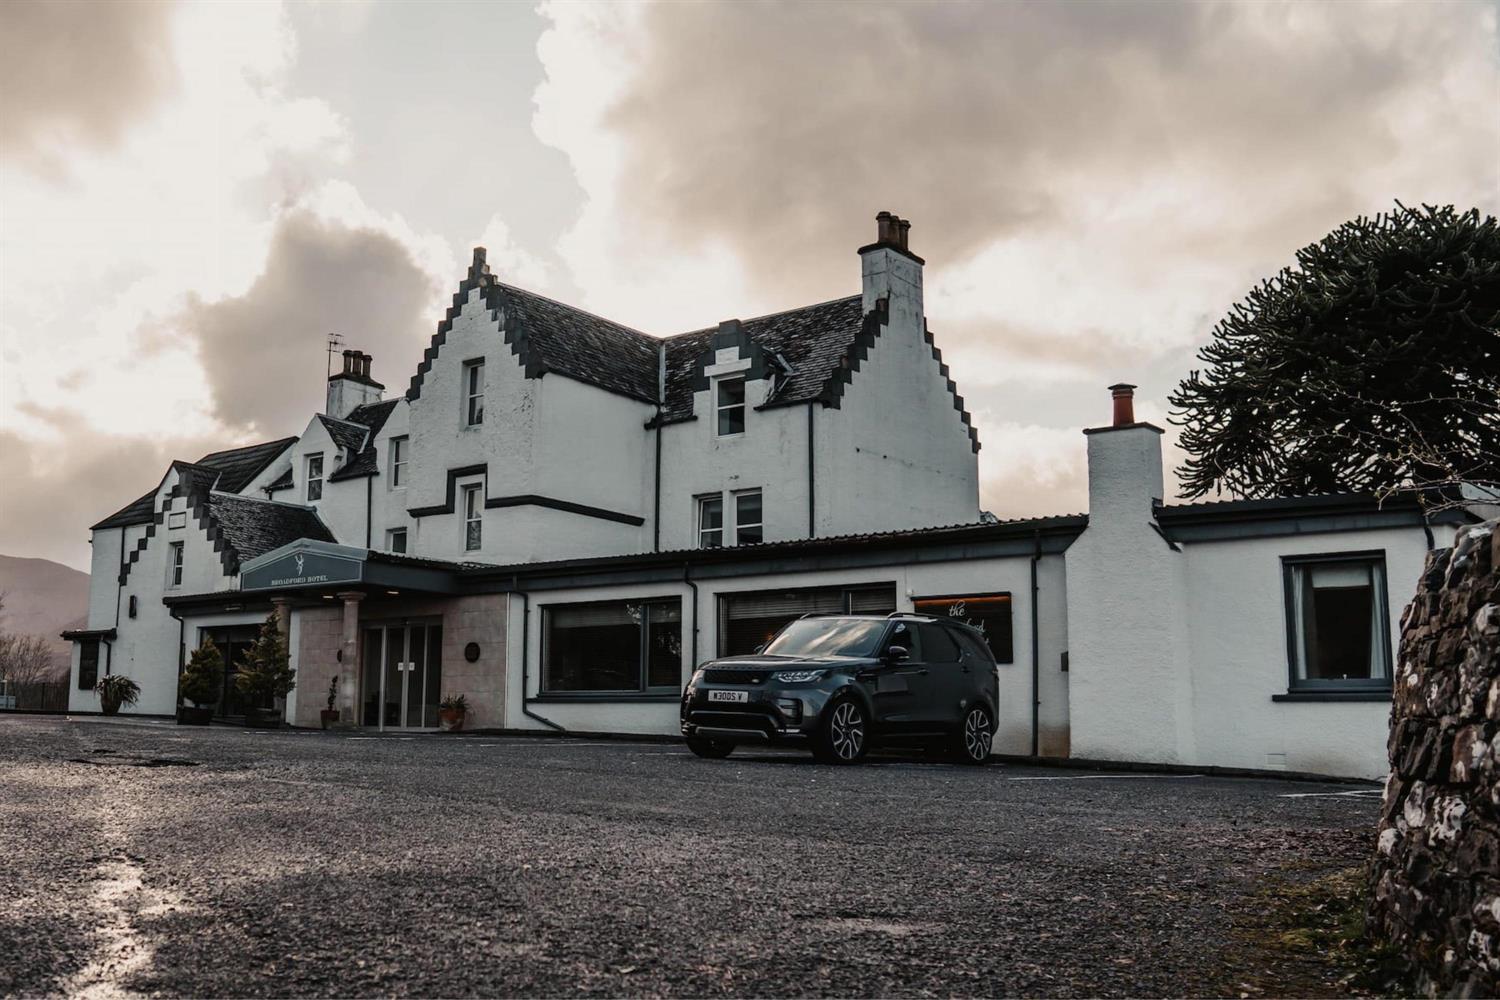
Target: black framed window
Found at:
x=990, y=613
x=88, y=664
x=612, y=647
x=750, y=619
x=1338, y=622
x=730, y=405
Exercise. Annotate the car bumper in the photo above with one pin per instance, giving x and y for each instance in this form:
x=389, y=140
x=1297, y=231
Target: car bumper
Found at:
x=772, y=715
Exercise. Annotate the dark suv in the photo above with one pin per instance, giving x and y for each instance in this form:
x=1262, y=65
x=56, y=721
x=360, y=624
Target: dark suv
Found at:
x=838, y=683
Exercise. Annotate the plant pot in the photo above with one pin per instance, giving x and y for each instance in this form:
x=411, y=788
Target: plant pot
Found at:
x=109, y=706
x=193, y=715
x=262, y=718
x=449, y=720
x=328, y=717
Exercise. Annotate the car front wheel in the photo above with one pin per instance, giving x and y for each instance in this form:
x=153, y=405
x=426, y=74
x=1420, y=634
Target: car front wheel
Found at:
x=975, y=736
x=845, y=735
x=714, y=749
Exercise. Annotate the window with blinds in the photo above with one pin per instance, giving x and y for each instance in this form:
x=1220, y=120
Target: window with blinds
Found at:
x=612, y=647
x=747, y=621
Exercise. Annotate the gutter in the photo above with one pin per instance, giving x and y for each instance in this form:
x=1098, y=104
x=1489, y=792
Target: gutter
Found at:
x=1036, y=660
x=526, y=659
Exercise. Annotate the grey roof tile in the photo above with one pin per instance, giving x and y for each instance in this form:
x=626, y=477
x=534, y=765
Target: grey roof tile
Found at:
x=230, y=470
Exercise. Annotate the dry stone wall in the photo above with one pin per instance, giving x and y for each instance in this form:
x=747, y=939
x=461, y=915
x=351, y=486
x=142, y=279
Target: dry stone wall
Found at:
x=1436, y=876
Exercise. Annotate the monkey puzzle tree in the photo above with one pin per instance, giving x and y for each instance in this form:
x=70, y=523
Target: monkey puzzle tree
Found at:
x=1373, y=365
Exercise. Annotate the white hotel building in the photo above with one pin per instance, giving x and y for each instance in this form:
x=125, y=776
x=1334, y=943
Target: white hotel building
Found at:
x=561, y=517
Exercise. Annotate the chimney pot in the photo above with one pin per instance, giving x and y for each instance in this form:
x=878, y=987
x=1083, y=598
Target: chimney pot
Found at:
x=1124, y=398
x=885, y=226
x=902, y=227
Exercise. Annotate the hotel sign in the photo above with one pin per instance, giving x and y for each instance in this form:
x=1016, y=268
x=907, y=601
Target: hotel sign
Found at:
x=303, y=569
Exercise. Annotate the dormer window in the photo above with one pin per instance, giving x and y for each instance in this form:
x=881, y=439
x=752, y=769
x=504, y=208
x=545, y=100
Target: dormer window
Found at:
x=474, y=393
x=314, y=478
x=729, y=395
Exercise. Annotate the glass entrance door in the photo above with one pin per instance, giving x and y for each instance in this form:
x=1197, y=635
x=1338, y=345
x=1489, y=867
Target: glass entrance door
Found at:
x=403, y=675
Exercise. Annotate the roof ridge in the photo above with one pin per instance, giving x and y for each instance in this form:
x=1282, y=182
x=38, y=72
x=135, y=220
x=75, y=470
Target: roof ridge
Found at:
x=250, y=499
x=244, y=447
x=769, y=315
x=573, y=308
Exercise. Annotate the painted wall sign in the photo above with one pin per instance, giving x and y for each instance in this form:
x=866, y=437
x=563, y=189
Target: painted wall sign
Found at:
x=303, y=569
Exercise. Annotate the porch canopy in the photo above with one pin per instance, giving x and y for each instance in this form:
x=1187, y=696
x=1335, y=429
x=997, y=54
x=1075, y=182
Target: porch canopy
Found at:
x=308, y=566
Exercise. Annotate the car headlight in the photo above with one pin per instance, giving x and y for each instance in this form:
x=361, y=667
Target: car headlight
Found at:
x=798, y=676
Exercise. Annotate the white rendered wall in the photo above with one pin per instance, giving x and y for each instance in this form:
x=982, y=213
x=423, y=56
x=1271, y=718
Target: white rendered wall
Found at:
x=1129, y=683
x=1236, y=602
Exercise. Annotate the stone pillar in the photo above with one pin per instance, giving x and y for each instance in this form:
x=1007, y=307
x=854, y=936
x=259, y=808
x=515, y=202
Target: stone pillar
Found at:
x=349, y=661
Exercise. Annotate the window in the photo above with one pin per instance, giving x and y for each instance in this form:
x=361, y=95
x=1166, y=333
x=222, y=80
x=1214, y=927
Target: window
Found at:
x=398, y=462
x=616, y=647
x=1338, y=628
x=710, y=522
x=314, y=477
x=88, y=664
x=749, y=620
x=731, y=405
x=747, y=517
x=174, y=565
x=473, y=517
x=395, y=540
x=938, y=644
x=474, y=393
x=990, y=613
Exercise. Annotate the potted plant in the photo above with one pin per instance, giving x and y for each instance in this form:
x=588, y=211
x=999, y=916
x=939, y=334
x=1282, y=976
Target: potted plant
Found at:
x=199, y=685
x=266, y=676
x=451, y=711
x=116, y=690
x=330, y=714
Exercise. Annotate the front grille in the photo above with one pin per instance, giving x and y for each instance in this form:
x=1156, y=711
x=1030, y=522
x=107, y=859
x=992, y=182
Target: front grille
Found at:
x=760, y=721
x=727, y=675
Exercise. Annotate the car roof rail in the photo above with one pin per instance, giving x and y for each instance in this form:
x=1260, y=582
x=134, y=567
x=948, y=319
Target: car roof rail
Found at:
x=914, y=614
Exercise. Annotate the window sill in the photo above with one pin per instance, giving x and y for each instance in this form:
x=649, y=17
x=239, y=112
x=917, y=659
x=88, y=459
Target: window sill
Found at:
x=1379, y=694
x=624, y=696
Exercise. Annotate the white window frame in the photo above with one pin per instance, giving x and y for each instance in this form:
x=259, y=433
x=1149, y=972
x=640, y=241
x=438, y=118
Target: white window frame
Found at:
x=175, y=560
x=390, y=540
x=473, y=392
x=309, y=480
x=740, y=526
x=399, y=447
x=721, y=407
x=700, y=508
x=471, y=501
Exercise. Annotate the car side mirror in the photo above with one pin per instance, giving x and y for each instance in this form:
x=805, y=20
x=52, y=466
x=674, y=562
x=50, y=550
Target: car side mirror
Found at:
x=896, y=654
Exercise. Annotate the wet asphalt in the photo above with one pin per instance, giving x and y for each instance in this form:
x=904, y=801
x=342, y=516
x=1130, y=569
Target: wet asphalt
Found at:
x=156, y=860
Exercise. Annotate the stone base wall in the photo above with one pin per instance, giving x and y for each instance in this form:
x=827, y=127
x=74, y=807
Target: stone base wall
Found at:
x=320, y=634
x=1436, y=876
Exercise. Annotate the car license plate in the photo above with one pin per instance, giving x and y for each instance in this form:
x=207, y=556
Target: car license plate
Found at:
x=737, y=696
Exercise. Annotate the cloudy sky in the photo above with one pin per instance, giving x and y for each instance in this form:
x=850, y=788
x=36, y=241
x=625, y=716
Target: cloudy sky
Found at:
x=193, y=195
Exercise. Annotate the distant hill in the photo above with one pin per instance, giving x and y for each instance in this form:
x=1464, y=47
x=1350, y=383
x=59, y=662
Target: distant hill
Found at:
x=43, y=598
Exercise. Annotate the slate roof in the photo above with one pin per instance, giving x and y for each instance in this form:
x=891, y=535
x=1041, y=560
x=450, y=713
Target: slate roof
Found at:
x=1273, y=508
x=583, y=346
x=348, y=436
x=366, y=463
x=250, y=527
x=230, y=470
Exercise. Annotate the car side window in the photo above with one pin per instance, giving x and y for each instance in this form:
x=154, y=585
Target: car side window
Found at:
x=938, y=644
x=974, y=647
x=903, y=634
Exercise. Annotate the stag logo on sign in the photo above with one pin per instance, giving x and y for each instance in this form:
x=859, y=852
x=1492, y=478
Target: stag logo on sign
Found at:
x=301, y=562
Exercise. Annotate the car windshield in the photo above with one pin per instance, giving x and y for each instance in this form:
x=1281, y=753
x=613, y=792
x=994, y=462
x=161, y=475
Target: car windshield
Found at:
x=828, y=637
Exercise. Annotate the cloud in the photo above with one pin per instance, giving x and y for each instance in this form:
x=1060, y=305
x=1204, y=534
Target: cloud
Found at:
x=262, y=352
x=79, y=73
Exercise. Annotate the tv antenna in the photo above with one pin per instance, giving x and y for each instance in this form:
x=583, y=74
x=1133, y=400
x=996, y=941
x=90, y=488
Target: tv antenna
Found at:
x=334, y=343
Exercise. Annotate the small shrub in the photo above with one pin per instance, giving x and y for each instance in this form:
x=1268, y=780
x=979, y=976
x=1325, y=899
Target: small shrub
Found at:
x=116, y=690
x=454, y=703
x=203, y=675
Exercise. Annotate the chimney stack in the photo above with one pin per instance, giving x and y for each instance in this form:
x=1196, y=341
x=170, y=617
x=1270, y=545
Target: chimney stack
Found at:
x=890, y=270
x=1124, y=397
x=353, y=387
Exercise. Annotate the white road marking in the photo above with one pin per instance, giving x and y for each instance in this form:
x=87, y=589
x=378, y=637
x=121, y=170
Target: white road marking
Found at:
x=1099, y=777
x=1358, y=793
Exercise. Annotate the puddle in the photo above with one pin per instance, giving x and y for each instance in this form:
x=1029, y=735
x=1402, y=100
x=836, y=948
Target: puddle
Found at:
x=135, y=761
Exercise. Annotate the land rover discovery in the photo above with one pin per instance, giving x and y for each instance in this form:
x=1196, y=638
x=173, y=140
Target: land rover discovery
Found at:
x=839, y=684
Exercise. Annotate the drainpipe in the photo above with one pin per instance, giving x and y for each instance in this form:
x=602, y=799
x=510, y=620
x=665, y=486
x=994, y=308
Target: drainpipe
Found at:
x=1036, y=656
x=811, y=481
x=119, y=587
x=181, y=636
x=656, y=510
x=369, y=489
x=526, y=657
x=686, y=570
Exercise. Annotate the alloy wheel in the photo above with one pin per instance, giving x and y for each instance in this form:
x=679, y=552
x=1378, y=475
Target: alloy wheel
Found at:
x=977, y=735
x=846, y=731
